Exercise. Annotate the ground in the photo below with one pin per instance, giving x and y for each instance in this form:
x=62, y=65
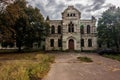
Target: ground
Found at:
x=67, y=67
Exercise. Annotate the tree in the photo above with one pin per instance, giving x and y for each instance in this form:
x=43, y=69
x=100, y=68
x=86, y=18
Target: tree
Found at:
x=23, y=24
x=109, y=28
x=8, y=17
x=38, y=28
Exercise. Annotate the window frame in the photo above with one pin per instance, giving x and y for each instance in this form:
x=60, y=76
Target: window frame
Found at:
x=51, y=42
x=82, y=43
x=89, y=42
x=59, y=29
x=88, y=29
x=70, y=27
x=52, y=29
x=59, y=42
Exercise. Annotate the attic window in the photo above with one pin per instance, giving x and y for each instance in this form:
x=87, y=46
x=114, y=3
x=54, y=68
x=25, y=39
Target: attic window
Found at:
x=67, y=14
x=73, y=14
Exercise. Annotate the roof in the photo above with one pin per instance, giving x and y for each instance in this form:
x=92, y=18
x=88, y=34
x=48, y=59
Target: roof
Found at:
x=71, y=7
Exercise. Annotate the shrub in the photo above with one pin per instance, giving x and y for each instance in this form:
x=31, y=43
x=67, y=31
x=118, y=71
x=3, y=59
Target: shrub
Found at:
x=85, y=59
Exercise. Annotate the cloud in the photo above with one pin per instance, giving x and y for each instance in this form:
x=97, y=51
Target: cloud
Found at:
x=97, y=5
x=54, y=8
x=51, y=3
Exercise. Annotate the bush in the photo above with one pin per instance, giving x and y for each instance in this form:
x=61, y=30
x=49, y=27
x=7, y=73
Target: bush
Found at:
x=85, y=59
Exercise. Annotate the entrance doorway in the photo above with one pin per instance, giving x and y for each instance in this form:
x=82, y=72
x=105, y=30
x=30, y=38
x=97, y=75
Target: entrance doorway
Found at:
x=71, y=44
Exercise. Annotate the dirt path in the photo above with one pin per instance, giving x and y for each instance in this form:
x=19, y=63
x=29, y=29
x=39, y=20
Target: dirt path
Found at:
x=66, y=67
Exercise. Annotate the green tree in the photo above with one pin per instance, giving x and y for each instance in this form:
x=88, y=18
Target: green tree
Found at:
x=23, y=23
x=109, y=28
x=35, y=20
x=8, y=16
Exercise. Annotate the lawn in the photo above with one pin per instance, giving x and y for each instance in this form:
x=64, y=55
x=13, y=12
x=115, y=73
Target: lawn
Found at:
x=24, y=66
x=115, y=57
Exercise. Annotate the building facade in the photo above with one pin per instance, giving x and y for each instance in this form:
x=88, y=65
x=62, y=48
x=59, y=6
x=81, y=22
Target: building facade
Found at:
x=72, y=33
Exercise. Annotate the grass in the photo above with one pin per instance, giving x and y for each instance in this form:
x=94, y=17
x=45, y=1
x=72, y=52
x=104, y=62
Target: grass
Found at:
x=25, y=66
x=16, y=50
x=85, y=59
x=115, y=57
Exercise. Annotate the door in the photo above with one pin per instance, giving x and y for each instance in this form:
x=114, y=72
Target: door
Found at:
x=71, y=44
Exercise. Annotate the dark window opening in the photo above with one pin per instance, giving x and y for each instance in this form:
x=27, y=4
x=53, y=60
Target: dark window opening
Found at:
x=71, y=27
x=68, y=15
x=82, y=42
x=53, y=29
x=59, y=29
x=88, y=29
x=52, y=42
x=74, y=14
x=59, y=42
x=89, y=42
x=71, y=15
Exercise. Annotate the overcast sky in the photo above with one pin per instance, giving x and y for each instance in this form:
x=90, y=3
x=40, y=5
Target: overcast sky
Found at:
x=88, y=8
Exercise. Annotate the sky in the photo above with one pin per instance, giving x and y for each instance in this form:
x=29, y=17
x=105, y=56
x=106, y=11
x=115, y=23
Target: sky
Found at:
x=88, y=8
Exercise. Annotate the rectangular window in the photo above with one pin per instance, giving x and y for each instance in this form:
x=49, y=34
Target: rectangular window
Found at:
x=52, y=42
x=59, y=29
x=82, y=42
x=88, y=29
x=89, y=42
x=59, y=42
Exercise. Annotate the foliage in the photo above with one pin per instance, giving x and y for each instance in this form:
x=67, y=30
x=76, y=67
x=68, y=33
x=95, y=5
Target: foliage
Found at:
x=85, y=59
x=23, y=24
x=31, y=66
x=109, y=28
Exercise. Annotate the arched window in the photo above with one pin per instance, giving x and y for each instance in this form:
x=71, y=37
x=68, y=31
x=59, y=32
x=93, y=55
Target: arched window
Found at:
x=52, y=42
x=59, y=29
x=71, y=27
x=88, y=29
x=82, y=42
x=74, y=14
x=53, y=29
x=89, y=42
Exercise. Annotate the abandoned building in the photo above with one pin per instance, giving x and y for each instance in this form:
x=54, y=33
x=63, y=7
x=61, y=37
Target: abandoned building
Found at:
x=72, y=32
